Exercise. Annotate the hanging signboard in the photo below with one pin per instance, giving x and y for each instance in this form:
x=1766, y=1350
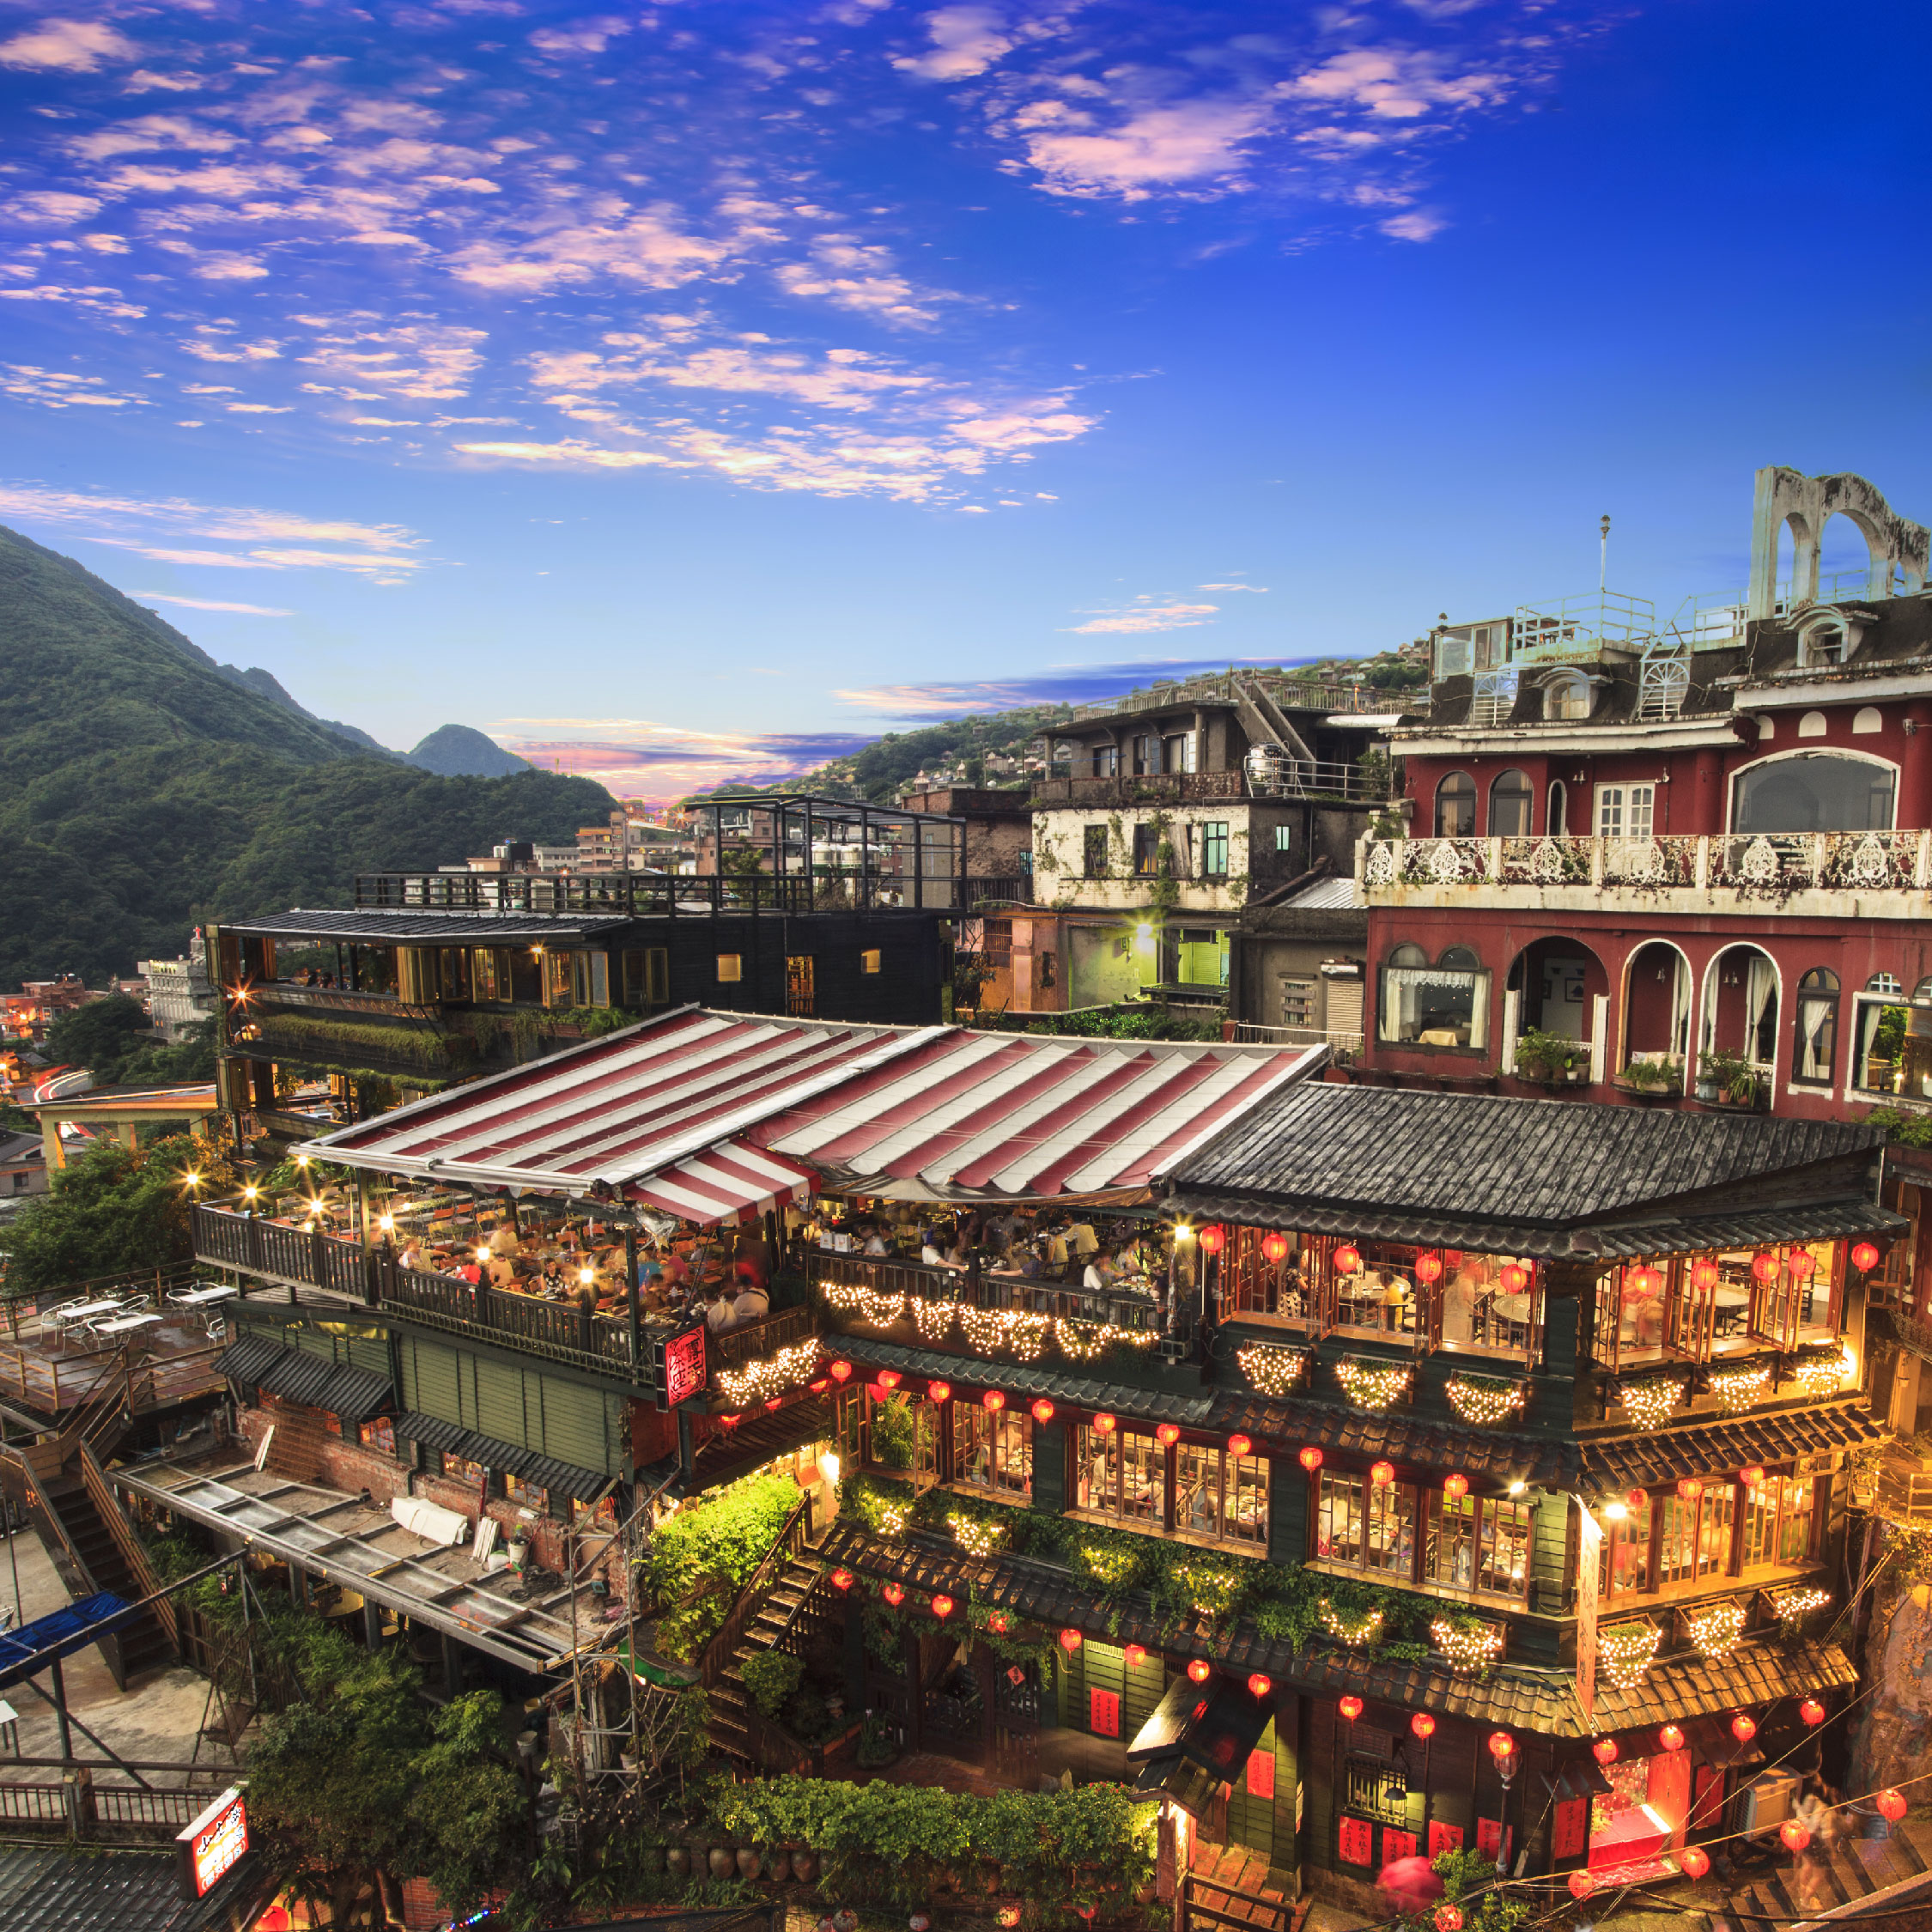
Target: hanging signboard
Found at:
x=213, y=1844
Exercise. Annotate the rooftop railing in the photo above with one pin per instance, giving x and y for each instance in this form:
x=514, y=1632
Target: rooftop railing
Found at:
x=1291, y=692
x=655, y=894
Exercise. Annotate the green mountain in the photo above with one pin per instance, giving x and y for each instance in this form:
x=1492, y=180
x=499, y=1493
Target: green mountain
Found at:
x=456, y=752
x=143, y=787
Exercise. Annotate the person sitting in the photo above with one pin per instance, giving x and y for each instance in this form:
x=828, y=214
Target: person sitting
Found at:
x=1099, y=1271
x=504, y=1238
x=470, y=1271
x=874, y=1242
x=932, y=1250
x=717, y=1310
x=500, y=1270
x=751, y=1303
x=411, y=1255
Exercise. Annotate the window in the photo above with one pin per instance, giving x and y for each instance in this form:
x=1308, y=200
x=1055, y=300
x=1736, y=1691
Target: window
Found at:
x=731, y=967
x=1366, y=1526
x=525, y=1495
x=1779, y=1514
x=490, y=973
x=1441, y=1005
x=1177, y=752
x=1567, y=698
x=648, y=976
x=1817, y=1047
x=1122, y=1474
x=869, y=959
x=1093, y=852
x=1508, y=806
x=1625, y=811
x=590, y=979
x=1824, y=640
x=992, y=1449
x=601, y=1514
x=1477, y=1544
x=1298, y=1005
x=1284, y=838
x=459, y=1469
x=1146, y=755
x=1502, y=1540
x=1879, y=1062
x=1146, y=851
x=1216, y=1494
x=1695, y=1537
x=378, y=1435
x=801, y=993
x=1105, y=761
x=1623, y=1562
x=1455, y=806
x=1812, y=792
x=1556, y=810
x=1214, y=849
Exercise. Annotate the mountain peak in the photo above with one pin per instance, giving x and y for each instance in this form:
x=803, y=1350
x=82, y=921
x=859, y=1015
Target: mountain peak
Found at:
x=457, y=751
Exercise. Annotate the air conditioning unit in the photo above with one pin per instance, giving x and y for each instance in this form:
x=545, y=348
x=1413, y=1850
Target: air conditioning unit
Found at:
x=1767, y=1802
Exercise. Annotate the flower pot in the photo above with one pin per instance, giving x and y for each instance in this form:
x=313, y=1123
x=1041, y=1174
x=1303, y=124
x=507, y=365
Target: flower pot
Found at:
x=749, y=1864
x=721, y=1862
x=1706, y=1091
x=804, y=1866
x=778, y=1867
x=677, y=1862
x=845, y=1920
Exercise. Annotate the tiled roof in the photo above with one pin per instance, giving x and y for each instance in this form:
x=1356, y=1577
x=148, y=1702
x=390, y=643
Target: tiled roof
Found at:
x=1543, y=1701
x=1027, y=1379
x=112, y=1891
x=1536, y=1458
x=1475, y=1158
x=261, y=1362
x=566, y=1478
x=1711, y=1448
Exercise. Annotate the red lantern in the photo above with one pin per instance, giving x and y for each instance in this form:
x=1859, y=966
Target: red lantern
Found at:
x=1764, y=1266
x=842, y=1579
x=1501, y=1746
x=877, y=1391
x=1752, y=1474
x=1168, y=1434
x=942, y=1607
x=1213, y=1240
x=1704, y=1275
x=1350, y=1707
x=819, y=1387
x=1455, y=1487
x=1275, y=1247
x=1009, y=1916
x=1042, y=1411
x=1864, y=1257
x=1605, y=1751
x=1796, y=1837
x=894, y=1593
x=1087, y=1911
x=1514, y=1278
x=1070, y=1640
x=997, y=1623
x=1644, y=1281
x=1239, y=1445
x=1811, y=1711
x=1582, y=1884
x=1201, y=1670
x=1695, y=1861
x=1103, y=1423
x=1428, y=1268
x=1259, y=1684
x=1892, y=1805
x=1382, y=1473
x=1448, y=1919
x=1135, y=1656
x=1670, y=1737
x=992, y=1400
x=1689, y=1488
x=1423, y=1725
x=1346, y=1259
x=1310, y=1459
x=1638, y=1499
x=1802, y=1264
x=1744, y=1728
x=939, y=1392
x=889, y=1378
x=841, y=1371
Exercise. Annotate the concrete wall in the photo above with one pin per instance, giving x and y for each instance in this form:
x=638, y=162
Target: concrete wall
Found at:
x=1059, y=856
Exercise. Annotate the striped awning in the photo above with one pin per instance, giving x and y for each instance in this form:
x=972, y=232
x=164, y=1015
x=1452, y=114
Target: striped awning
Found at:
x=724, y=1181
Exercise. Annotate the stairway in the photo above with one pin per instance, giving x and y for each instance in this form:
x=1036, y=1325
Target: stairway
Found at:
x=1853, y=1876
x=731, y=1702
x=1227, y=1890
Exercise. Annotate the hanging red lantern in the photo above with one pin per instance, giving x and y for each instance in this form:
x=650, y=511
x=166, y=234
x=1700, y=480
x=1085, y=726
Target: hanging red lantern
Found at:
x=942, y=1607
x=1864, y=1257
x=1501, y=1746
x=1605, y=1751
x=1752, y=1474
x=1670, y=1737
x=894, y=1593
x=1802, y=1263
x=997, y=1623
x=1582, y=1884
x=1168, y=1434
x=1103, y=1423
x=1042, y=1411
x=992, y=1400
x=1382, y=1473
x=1764, y=1265
x=877, y=1391
x=841, y=1371
x=1070, y=1640
x=1455, y=1486
x=1515, y=1277
x=1009, y=1916
x=889, y=1378
x=1811, y=1711
x=1350, y=1707
x=1310, y=1459
x=819, y=1387
x=1423, y=1725
x=1449, y=1918
x=1704, y=1276
x=1214, y=1240
x=1259, y=1684
x=1201, y=1670
x=1087, y=1911
x=1695, y=1860
x=1346, y=1259
x=1644, y=1281
x=842, y=1579
x=1135, y=1656
x=939, y=1392
x=1892, y=1805
x=1689, y=1488
x=1744, y=1728
x=1428, y=1268
x=1638, y=1499
x=1239, y=1445
x=1796, y=1837
x=1275, y=1247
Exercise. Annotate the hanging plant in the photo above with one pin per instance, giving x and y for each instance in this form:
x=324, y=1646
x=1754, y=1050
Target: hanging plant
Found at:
x=1739, y=1388
x=1274, y=1371
x=1373, y=1385
x=1649, y=1402
x=1716, y=1630
x=1470, y=1645
x=1625, y=1651
x=1793, y=1606
x=933, y=1320
x=1483, y=1401
x=973, y=1534
x=1354, y=1628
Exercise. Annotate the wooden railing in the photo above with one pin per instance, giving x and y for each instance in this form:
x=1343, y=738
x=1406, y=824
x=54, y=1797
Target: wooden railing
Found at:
x=107, y=1507
x=561, y=1330
x=758, y=1340
x=793, y=1536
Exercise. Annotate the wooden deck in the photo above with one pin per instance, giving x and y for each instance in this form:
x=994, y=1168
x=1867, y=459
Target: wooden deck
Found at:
x=46, y=1373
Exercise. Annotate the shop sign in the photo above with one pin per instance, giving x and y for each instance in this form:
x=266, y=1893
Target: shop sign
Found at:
x=683, y=1366
x=1589, y=1547
x=213, y=1844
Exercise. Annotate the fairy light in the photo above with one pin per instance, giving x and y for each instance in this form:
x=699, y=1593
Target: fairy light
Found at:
x=1625, y=1651
x=1373, y=1385
x=892, y=1519
x=1792, y=1607
x=1483, y=1401
x=933, y=1320
x=1648, y=1403
x=1467, y=1650
x=1716, y=1632
x=1110, y=1568
x=974, y=1537
x=1353, y=1629
x=1739, y=1389
x=758, y=1381
x=1274, y=1371
x=1820, y=1375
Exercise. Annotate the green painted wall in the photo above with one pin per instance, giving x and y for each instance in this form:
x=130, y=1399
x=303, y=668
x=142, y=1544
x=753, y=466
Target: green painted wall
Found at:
x=515, y=1404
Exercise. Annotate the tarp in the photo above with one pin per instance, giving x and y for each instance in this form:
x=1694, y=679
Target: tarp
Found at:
x=60, y=1633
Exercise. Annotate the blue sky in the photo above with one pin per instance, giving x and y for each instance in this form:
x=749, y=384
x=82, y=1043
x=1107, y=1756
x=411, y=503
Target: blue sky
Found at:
x=686, y=391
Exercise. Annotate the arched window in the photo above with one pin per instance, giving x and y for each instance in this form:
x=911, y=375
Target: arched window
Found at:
x=1815, y=1052
x=1446, y=1004
x=1567, y=696
x=1508, y=806
x=1814, y=791
x=1555, y=810
x=1889, y=985
x=1825, y=639
x=1455, y=806
x=1408, y=955
x=1459, y=959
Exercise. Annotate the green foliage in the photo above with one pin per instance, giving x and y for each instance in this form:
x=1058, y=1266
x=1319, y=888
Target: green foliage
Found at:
x=1103, y=1022
x=592, y=1022
x=1543, y=1056
x=110, y=1037
x=704, y=1555
x=112, y=1210
x=1737, y=1079
x=309, y=1038
x=1902, y=1129
x=892, y=1432
x=1469, y=1882
x=771, y=1676
x=1658, y=1076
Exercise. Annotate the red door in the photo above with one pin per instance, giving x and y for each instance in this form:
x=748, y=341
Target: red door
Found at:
x=1669, y=1794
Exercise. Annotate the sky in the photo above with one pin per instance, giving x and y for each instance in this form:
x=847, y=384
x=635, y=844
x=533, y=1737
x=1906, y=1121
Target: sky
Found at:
x=690, y=392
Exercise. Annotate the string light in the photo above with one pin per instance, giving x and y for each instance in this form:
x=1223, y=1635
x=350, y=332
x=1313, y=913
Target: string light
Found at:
x=1482, y=1402
x=1649, y=1402
x=933, y=1320
x=892, y=1519
x=866, y=1304
x=1792, y=1607
x=1467, y=1649
x=1738, y=1389
x=1716, y=1632
x=758, y=1381
x=1819, y=1375
x=1373, y=1385
x=1274, y=1371
x=1625, y=1651
x=1353, y=1629
x=974, y=1536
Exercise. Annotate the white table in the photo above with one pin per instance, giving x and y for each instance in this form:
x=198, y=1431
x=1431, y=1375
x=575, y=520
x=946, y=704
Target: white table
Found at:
x=124, y=1324
x=200, y=1297
x=87, y=1311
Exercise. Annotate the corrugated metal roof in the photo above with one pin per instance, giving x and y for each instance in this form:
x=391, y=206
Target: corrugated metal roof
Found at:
x=1718, y=1446
x=546, y=1472
x=1326, y=895
x=412, y=927
x=265, y=1362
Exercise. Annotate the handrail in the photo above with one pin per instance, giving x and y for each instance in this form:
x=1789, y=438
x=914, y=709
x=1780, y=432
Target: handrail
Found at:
x=793, y=1535
x=108, y=1508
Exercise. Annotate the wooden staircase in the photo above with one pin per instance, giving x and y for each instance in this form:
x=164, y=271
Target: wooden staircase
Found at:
x=1227, y=1890
x=734, y=1722
x=1850, y=1877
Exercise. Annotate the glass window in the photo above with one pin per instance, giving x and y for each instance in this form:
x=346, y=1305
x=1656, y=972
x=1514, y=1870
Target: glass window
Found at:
x=1216, y=1494
x=1778, y=1521
x=1556, y=808
x=1093, y=852
x=1455, y=806
x=1284, y=838
x=1177, y=752
x=1442, y=1006
x=1817, y=1045
x=1625, y=811
x=1503, y=1542
x=1448, y=1554
x=1624, y=1564
x=1214, y=849
x=378, y=1435
x=1120, y=1473
x=459, y=1469
x=1366, y=1526
x=1696, y=1536
x=1146, y=753
x=1567, y=698
x=1146, y=850
x=526, y=1495
x=1814, y=791
x=1105, y=759
x=992, y=1449
x=1508, y=806
x=731, y=967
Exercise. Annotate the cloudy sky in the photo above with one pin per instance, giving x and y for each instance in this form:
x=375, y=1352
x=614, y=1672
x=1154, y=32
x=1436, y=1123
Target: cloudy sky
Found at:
x=690, y=390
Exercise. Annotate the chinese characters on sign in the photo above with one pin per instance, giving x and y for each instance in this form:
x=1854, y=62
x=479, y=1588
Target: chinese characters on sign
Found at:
x=683, y=1367
x=1589, y=1546
x=213, y=1845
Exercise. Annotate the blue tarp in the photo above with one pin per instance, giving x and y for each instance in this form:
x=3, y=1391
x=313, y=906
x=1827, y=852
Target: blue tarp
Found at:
x=60, y=1634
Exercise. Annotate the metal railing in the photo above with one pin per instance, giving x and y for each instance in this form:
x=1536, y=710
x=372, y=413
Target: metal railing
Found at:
x=1014, y=888
x=911, y=886
x=1250, y=1033
x=1150, y=788
x=1290, y=692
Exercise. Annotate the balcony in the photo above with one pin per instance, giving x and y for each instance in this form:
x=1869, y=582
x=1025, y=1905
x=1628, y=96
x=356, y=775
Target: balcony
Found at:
x=1820, y=873
x=1150, y=788
x=1291, y=694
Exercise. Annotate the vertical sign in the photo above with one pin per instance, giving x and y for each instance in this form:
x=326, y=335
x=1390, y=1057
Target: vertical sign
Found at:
x=683, y=1366
x=1590, y=1549
x=213, y=1842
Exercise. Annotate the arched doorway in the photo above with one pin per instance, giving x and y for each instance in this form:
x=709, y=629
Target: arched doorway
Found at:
x=1558, y=990
x=1737, y=1043
x=1656, y=1029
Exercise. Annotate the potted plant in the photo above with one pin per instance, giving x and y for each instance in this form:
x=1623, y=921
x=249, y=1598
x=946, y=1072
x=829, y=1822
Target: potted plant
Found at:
x=1734, y=1080
x=1551, y=1059
x=1651, y=1080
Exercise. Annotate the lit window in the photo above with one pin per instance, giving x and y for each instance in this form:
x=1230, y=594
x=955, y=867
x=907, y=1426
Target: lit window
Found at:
x=731, y=967
x=869, y=959
x=992, y=1449
x=1366, y=1526
x=1120, y=1473
x=1441, y=1005
x=378, y=1435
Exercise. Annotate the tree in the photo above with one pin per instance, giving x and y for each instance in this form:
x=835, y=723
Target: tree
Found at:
x=98, y=1035
x=469, y=1812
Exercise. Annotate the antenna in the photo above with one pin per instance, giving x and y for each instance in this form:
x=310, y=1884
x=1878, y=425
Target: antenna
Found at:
x=1602, y=555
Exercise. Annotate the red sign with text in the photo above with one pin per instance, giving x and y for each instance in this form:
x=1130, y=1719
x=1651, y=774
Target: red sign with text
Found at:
x=683, y=1367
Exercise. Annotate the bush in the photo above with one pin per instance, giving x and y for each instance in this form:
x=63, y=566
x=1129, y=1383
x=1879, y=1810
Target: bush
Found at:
x=770, y=1678
x=704, y=1555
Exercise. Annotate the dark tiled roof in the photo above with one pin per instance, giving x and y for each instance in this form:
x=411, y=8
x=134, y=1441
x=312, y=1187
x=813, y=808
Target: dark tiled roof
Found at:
x=261, y=1362
x=1542, y=1459
x=1455, y=1156
x=1028, y=1379
x=1543, y=1701
x=119, y=1891
x=453, y=928
x=566, y=1478
x=1711, y=1448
